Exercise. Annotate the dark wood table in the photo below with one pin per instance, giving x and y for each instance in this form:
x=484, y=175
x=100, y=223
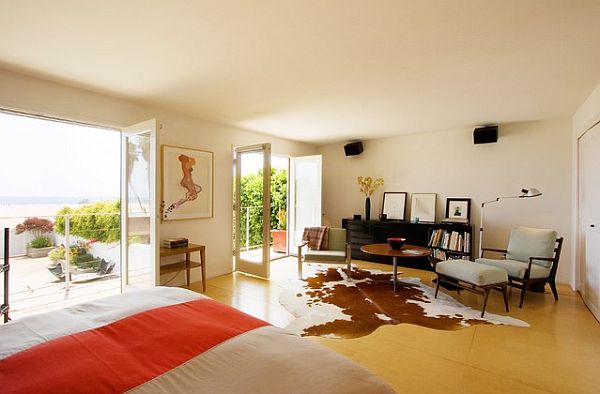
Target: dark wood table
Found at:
x=406, y=252
x=186, y=264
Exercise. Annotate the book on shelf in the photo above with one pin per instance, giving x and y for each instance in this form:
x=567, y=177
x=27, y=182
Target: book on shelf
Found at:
x=450, y=240
x=175, y=242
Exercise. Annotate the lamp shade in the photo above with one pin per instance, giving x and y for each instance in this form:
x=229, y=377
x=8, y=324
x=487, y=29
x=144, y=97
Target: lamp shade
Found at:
x=531, y=192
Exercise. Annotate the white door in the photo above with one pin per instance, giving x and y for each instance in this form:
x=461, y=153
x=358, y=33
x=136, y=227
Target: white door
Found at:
x=252, y=209
x=305, y=197
x=589, y=218
x=138, y=206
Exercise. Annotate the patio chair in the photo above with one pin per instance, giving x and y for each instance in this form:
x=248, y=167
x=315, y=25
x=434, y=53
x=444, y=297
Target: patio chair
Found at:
x=531, y=258
x=338, y=251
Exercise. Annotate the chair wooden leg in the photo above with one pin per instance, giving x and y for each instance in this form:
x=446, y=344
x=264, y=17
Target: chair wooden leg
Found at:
x=553, y=288
x=485, y=300
x=437, y=287
x=349, y=270
x=505, y=294
x=523, y=291
x=299, y=267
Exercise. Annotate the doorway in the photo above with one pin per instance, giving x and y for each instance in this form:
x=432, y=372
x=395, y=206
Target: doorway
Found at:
x=79, y=203
x=588, y=233
x=275, y=198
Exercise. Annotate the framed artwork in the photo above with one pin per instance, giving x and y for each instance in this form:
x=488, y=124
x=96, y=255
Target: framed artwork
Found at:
x=394, y=205
x=422, y=208
x=187, y=183
x=458, y=209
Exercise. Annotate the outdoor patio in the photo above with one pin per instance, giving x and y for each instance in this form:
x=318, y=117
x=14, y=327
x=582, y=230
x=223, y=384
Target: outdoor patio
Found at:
x=34, y=289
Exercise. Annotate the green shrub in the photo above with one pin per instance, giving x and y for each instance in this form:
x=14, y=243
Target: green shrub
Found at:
x=101, y=228
x=40, y=242
x=251, y=196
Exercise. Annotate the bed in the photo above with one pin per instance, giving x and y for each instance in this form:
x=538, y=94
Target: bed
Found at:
x=167, y=340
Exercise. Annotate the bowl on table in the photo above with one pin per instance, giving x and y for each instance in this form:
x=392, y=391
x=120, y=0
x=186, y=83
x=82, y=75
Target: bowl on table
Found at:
x=396, y=242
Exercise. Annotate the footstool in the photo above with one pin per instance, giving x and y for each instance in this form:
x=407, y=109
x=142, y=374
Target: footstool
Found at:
x=477, y=278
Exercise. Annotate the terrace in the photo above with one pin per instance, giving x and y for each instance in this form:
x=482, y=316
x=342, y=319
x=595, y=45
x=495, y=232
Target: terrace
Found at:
x=38, y=280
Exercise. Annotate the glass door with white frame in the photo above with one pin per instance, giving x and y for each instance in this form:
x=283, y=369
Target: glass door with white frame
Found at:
x=138, y=207
x=305, y=197
x=252, y=209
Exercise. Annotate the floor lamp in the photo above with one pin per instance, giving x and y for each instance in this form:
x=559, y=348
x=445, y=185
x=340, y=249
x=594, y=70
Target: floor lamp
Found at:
x=525, y=193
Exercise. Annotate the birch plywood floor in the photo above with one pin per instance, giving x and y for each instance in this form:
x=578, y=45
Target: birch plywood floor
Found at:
x=559, y=353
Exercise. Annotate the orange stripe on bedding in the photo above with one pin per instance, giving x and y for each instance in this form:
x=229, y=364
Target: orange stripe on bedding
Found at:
x=124, y=354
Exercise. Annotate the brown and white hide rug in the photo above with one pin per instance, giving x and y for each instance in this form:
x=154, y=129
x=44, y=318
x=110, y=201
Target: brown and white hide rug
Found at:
x=325, y=304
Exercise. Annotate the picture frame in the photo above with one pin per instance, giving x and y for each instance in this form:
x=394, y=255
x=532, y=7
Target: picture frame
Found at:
x=458, y=210
x=394, y=205
x=187, y=185
x=422, y=208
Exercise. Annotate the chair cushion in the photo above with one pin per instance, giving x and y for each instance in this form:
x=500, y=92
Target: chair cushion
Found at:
x=526, y=242
x=468, y=271
x=516, y=269
x=325, y=255
x=337, y=239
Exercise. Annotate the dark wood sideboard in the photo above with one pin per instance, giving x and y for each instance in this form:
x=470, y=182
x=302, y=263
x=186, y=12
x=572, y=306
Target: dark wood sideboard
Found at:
x=362, y=232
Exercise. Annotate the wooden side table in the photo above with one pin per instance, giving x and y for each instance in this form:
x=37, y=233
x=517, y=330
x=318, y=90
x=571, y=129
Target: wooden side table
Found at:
x=186, y=264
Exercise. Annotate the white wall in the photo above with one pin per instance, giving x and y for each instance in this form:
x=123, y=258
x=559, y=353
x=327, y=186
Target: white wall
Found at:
x=529, y=154
x=24, y=93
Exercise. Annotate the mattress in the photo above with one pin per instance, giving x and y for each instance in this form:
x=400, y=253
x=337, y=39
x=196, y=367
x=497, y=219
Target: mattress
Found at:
x=168, y=340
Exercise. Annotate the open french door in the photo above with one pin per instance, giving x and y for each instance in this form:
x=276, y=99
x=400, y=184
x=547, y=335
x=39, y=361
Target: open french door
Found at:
x=304, y=198
x=252, y=207
x=138, y=206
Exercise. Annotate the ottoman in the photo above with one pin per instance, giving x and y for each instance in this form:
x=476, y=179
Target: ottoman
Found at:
x=477, y=278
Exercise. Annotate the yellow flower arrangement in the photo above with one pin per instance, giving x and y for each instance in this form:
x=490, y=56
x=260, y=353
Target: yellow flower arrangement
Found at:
x=368, y=185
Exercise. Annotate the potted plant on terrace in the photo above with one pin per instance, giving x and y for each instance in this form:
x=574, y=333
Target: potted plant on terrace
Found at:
x=80, y=260
x=280, y=234
x=41, y=230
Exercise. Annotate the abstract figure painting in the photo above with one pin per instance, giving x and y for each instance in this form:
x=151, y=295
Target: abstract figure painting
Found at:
x=187, y=183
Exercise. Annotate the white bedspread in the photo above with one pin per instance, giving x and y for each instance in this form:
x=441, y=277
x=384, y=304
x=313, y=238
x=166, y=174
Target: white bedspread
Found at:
x=263, y=360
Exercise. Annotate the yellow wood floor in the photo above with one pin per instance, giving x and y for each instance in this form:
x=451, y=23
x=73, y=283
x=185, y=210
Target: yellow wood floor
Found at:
x=559, y=353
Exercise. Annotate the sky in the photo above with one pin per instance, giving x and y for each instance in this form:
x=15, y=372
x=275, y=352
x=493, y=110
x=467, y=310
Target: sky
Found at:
x=45, y=158
x=252, y=162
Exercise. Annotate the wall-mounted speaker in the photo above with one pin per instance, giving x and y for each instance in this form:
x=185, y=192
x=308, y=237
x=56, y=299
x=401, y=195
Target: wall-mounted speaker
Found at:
x=485, y=135
x=353, y=148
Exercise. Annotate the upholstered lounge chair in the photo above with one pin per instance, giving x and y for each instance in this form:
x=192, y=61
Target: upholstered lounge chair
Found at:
x=337, y=252
x=531, y=257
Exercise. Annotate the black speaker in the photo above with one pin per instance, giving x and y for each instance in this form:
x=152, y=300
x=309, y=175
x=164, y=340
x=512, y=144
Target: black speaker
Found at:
x=485, y=135
x=353, y=148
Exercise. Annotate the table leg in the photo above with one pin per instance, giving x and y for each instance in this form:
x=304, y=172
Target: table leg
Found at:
x=203, y=268
x=395, y=261
x=188, y=257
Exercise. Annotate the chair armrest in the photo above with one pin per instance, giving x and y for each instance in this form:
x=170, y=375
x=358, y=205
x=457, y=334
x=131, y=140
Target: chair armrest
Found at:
x=300, y=246
x=503, y=251
x=551, y=259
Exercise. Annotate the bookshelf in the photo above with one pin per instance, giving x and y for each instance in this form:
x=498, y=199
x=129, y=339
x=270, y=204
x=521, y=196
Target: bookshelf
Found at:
x=451, y=242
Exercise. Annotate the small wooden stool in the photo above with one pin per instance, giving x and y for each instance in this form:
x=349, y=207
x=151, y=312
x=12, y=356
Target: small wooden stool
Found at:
x=477, y=278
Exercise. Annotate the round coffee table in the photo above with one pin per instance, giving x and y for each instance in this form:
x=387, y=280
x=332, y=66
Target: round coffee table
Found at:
x=406, y=252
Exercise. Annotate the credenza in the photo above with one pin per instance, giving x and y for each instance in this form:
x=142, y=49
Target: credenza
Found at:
x=362, y=232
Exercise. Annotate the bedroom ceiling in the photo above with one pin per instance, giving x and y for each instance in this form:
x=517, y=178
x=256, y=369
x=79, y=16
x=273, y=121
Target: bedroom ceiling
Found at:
x=318, y=71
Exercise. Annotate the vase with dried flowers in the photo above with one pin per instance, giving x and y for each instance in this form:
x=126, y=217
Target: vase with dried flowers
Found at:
x=368, y=186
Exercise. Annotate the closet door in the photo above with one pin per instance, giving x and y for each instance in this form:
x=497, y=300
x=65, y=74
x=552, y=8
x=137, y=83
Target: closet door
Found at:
x=589, y=218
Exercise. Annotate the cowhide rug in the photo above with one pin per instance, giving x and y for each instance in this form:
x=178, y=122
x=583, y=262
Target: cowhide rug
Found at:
x=326, y=304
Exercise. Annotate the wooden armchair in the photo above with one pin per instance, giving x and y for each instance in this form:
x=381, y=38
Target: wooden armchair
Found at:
x=337, y=252
x=531, y=258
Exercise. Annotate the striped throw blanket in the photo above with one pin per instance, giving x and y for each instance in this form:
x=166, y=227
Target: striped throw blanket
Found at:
x=317, y=237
